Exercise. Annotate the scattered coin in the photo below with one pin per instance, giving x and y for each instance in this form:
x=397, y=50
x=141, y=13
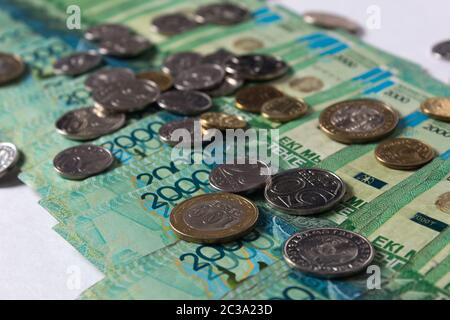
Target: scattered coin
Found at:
x=88, y=123
x=332, y=21
x=107, y=76
x=181, y=61
x=200, y=77
x=257, y=67
x=306, y=84
x=222, y=14
x=213, y=218
x=252, y=98
x=404, y=153
x=328, y=252
x=220, y=57
x=77, y=63
x=228, y=86
x=107, y=31
x=11, y=68
x=191, y=127
x=438, y=108
x=358, y=121
x=442, y=50
x=304, y=191
x=247, y=44
x=162, y=79
x=222, y=121
x=82, y=161
x=173, y=24
x=9, y=155
x=443, y=202
x=188, y=103
x=283, y=109
x=124, y=47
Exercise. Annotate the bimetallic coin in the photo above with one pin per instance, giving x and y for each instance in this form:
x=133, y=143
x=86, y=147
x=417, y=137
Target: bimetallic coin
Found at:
x=213, y=218
x=306, y=84
x=181, y=61
x=189, y=132
x=201, y=77
x=332, y=21
x=107, y=76
x=358, y=121
x=188, y=103
x=443, y=202
x=162, y=79
x=220, y=57
x=222, y=121
x=77, y=63
x=228, y=86
x=328, y=252
x=222, y=14
x=9, y=155
x=284, y=109
x=172, y=24
x=442, y=50
x=11, y=68
x=126, y=96
x=304, y=191
x=80, y=162
x=124, y=47
x=252, y=98
x=438, y=108
x=88, y=123
x=257, y=67
x=107, y=31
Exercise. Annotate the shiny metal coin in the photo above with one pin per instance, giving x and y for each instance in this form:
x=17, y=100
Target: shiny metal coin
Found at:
x=284, y=109
x=162, y=79
x=257, y=67
x=442, y=50
x=11, y=68
x=108, y=76
x=201, y=77
x=252, y=99
x=181, y=61
x=332, y=21
x=222, y=121
x=328, y=252
x=222, y=14
x=304, y=191
x=80, y=162
x=443, y=202
x=220, y=57
x=306, y=84
x=124, y=47
x=173, y=24
x=9, y=156
x=437, y=108
x=107, y=31
x=228, y=86
x=188, y=103
x=191, y=128
x=77, y=63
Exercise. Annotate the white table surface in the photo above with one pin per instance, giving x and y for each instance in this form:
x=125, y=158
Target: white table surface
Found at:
x=36, y=263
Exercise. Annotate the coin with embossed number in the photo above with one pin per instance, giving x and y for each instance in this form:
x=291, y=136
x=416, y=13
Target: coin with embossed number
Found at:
x=11, y=68
x=213, y=218
x=181, y=61
x=328, y=252
x=9, y=155
x=107, y=76
x=184, y=132
x=358, y=121
x=188, y=103
x=438, y=108
x=252, y=98
x=80, y=162
x=304, y=191
x=77, y=63
x=257, y=67
x=107, y=31
x=222, y=121
x=173, y=23
x=284, y=109
x=442, y=50
x=88, y=123
x=332, y=21
x=124, y=47
x=222, y=14
x=162, y=79
x=200, y=77
x=404, y=153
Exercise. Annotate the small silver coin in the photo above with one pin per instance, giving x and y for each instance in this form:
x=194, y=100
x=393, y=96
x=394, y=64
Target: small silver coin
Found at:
x=257, y=67
x=192, y=131
x=304, y=191
x=107, y=31
x=181, y=61
x=77, y=63
x=88, y=123
x=126, y=96
x=107, y=76
x=222, y=14
x=172, y=24
x=228, y=86
x=328, y=252
x=220, y=57
x=188, y=103
x=82, y=161
x=201, y=77
x=332, y=21
x=9, y=155
x=442, y=50
x=125, y=46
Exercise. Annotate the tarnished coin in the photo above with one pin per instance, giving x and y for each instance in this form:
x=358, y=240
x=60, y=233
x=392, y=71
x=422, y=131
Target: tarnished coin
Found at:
x=404, y=153
x=228, y=86
x=239, y=178
x=9, y=155
x=283, y=109
x=88, y=123
x=124, y=47
x=107, y=31
x=181, y=61
x=332, y=21
x=173, y=23
x=188, y=103
x=201, y=77
x=358, y=121
x=77, y=63
x=108, y=76
x=304, y=191
x=257, y=67
x=442, y=50
x=162, y=79
x=222, y=14
x=328, y=252
x=213, y=218
x=443, y=202
x=220, y=57
x=252, y=98
x=221, y=121
x=306, y=84
x=189, y=132
x=82, y=161
x=126, y=96
x=438, y=108
x=11, y=68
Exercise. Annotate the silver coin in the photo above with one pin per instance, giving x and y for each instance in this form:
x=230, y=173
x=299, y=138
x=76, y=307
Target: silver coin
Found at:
x=107, y=31
x=201, y=77
x=332, y=21
x=222, y=14
x=88, y=123
x=125, y=46
x=188, y=103
x=193, y=130
x=9, y=155
x=257, y=67
x=328, y=252
x=181, y=61
x=304, y=191
x=228, y=86
x=172, y=24
x=442, y=50
x=77, y=63
x=220, y=57
x=107, y=76
x=126, y=96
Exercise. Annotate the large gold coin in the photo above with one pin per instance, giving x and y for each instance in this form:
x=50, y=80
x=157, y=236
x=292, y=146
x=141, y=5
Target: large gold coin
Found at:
x=11, y=67
x=438, y=108
x=162, y=79
x=358, y=121
x=213, y=218
x=221, y=121
x=252, y=98
x=284, y=109
x=404, y=153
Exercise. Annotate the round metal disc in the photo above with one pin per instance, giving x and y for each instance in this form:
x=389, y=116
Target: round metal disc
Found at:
x=200, y=77
x=172, y=24
x=11, y=68
x=257, y=67
x=9, y=155
x=222, y=14
x=188, y=103
x=107, y=76
x=77, y=63
x=181, y=61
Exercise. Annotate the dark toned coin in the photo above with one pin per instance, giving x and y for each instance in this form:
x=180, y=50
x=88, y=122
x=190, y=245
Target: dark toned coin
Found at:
x=11, y=67
x=228, y=86
x=251, y=99
x=332, y=21
x=200, y=77
x=284, y=109
x=257, y=67
x=107, y=76
x=173, y=23
x=188, y=103
x=184, y=132
x=124, y=47
x=162, y=79
x=107, y=31
x=220, y=57
x=222, y=14
x=77, y=63
x=181, y=61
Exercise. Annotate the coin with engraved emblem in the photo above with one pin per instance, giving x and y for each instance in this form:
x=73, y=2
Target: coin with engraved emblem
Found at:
x=404, y=153
x=184, y=132
x=11, y=67
x=213, y=218
x=283, y=109
x=252, y=98
x=9, y=155
x=443, y=202
x=306, y=84
x=442, y=50
x=107, y=31
x=77, y=63
x=173, y=23
x=80, y=162
x=124, y=47
x=328, y=252
x=188, y=103
x=438, y=108
x=201, y=77
x=332, y=21
x=222, y=121
x=108, y=76
x=304, y=191
x=181, y=61
x=162, y=79
x=358, y=121
x=257, y=67
x=222, y=14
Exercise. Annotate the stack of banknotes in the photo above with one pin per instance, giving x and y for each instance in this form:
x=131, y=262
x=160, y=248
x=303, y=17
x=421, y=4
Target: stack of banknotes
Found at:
x=118, y=219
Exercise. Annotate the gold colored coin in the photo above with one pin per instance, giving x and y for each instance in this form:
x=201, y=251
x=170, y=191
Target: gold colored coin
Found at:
x=306, y=84
x=251, y=99
x=11, y=67
x=443, y=202
x=358, y=121
x=248, y=44
x=222, y=121
x=162, y=79
x=438, y=108
x=284, y=109
x=404, y=153
x=213, y=218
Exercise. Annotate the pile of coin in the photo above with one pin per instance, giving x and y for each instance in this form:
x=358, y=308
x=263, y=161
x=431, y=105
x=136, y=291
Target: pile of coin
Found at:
x=9, y=156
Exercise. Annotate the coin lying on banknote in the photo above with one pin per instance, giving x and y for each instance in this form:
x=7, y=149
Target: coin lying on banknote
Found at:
x=188, y=103
x=442, y=50
x=181, y=61
x=222, y=14
x=168, y=132
x=9, y=156
x=107, y=31
x=229, y=85
x=108, y=76
x=222, y=121
x=283, y=109
x=125, y=47
x=257, y=67
x=173, y=23
x=438, y=108
x=162, y=79
x=11, y=68
x=77, y=63
x=252, y=99
x=199, y=77
x=332, y=21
